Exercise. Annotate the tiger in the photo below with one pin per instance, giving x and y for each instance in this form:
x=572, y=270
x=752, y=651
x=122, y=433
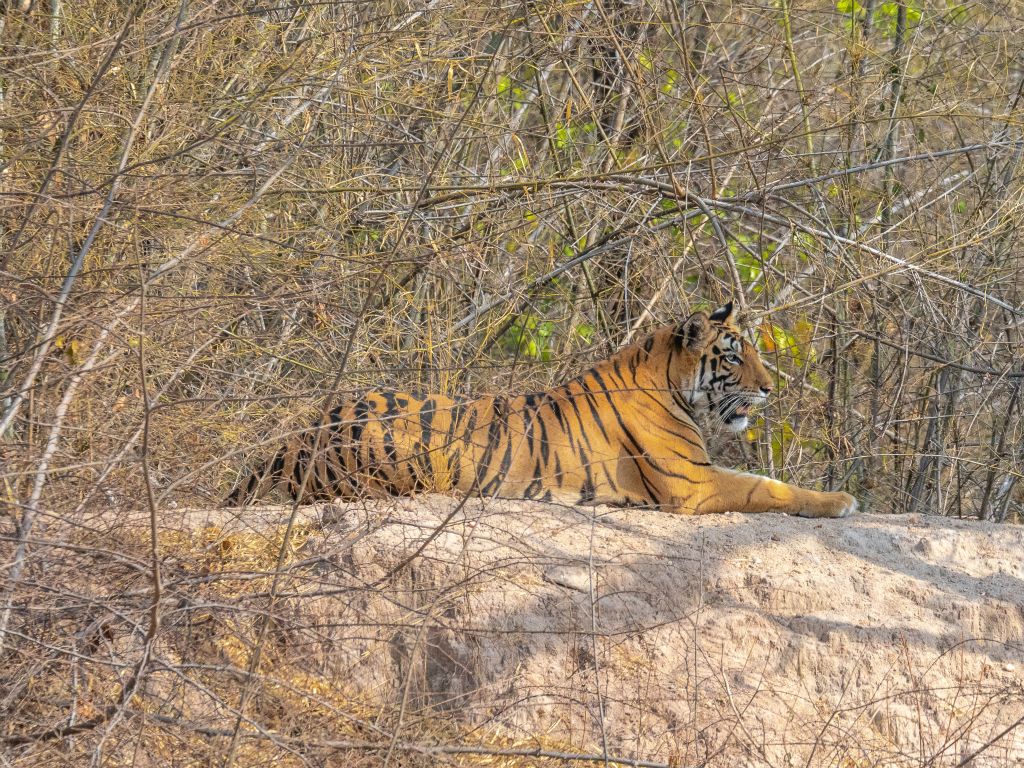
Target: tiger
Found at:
x=625, y=432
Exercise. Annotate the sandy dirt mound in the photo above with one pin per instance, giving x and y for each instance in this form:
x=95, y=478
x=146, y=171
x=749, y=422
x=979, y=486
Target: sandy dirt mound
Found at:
x=757, y=639
x=410, y=631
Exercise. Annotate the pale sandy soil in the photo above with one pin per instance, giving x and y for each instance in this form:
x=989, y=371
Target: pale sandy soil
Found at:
x=722, y=640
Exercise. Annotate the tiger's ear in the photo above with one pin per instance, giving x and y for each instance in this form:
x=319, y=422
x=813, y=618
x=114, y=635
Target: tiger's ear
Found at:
x=724, y=314
x=694, y=331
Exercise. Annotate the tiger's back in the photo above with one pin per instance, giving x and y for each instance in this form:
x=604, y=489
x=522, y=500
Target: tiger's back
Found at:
x=623, y=432
x=398, y=443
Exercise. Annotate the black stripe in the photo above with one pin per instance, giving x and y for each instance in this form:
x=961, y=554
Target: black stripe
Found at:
x=591, y=403
x=359, y=410
x=553, y=403
x=622, y=379
x=506, y=460
x=600, y=382
x=467, y=436
x=333, y=469
x=536, y=484
x=389, y=440
x=618, y=417
x=608, y=476
x=492, y=485
x=588, y=482
x=651, y=494
x=587, y=492
x=579, y=417
x=590, y=400
x=494, y=430
x=455, y=467
x=529, y=415
x=422, y=479
x=699, y=445
x=277, y=464
x=545, y=448
x=647, y=393
x=427, y=421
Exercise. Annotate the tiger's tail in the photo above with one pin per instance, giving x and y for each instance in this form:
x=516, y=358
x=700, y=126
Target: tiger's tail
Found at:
x=259, y=482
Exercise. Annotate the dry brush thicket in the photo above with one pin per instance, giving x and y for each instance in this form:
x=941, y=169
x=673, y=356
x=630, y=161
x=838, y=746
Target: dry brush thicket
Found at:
x=215, y=216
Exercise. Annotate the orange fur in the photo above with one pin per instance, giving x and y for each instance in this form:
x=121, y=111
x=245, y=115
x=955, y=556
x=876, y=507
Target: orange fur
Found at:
x=623, y=432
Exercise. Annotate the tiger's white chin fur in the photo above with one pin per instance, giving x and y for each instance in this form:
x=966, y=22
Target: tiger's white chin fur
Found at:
x=740, y=418
x=737, y=425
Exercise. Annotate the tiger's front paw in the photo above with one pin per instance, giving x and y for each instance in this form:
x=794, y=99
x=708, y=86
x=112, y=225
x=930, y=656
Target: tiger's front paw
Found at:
x=837, y=504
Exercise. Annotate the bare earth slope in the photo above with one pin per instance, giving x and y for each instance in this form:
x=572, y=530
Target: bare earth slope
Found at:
x=520, y=627
x=721, y=640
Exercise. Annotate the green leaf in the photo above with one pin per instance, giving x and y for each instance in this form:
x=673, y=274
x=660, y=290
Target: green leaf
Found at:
x=671, y=77
x=563, y=135
x=585, y=331
x=850, y=8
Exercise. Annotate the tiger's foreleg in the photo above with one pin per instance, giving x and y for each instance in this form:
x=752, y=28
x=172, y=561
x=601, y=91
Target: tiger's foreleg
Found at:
x=725, y=490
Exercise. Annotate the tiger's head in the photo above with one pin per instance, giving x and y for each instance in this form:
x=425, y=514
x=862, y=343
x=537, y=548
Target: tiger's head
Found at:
x=717, y=370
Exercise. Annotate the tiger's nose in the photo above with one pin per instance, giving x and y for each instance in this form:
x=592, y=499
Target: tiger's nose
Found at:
x=766, y=390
